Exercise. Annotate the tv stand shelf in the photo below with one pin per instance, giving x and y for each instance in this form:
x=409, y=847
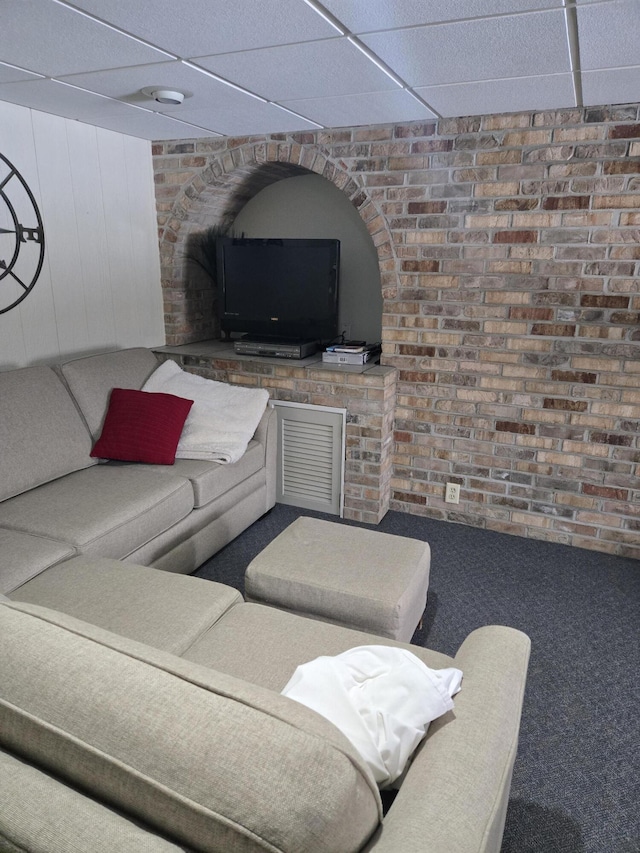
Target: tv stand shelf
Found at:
x=224, y=350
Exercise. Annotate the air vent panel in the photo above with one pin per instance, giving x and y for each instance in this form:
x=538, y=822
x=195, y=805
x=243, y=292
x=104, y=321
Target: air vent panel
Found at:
x=310, y=456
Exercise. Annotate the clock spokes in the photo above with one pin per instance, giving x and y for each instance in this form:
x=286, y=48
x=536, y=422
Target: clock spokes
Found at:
x=19, y=273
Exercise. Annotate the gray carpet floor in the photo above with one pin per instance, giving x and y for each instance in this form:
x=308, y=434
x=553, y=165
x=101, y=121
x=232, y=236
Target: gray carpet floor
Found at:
x=576, y=784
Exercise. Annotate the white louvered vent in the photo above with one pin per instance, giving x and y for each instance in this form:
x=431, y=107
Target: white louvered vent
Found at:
x=310, y=456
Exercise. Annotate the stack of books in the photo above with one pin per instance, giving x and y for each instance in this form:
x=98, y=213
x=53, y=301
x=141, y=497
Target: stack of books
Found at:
x=351, y=353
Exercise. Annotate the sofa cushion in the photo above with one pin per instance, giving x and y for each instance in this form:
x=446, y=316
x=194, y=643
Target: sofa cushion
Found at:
x=142, y=427
x=205, y=758
x=23, y=556
x=106, y=511
x=164, y=610
x=210, y=480
x=91, y=379
x=264, y=645
x=42, y=435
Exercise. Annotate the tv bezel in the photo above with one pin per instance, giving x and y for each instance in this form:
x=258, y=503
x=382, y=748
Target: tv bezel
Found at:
x=322, y=329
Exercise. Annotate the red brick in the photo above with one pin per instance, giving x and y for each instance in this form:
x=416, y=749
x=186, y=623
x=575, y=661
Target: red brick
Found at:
x=611, y=438
x=426, y=206
x=565, y=405
x=515, y=237
x=573, y=376
x=566, y=202
x=622, y=167
x=556, y=330
x=519, y=313
x=605, y=492
x=412, y=349
x=517, y=203
x=624, y=131
x=590, y=300
x=420, y=266
x=409, y=497
x=512, y=426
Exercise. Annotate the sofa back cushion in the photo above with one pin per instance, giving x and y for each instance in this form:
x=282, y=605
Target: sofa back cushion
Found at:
x=42, y=435
x=211, y=761
x=91, y=379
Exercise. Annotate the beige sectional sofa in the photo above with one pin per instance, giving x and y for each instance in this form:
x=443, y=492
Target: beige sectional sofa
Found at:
x=56, y=501
x=141, y=710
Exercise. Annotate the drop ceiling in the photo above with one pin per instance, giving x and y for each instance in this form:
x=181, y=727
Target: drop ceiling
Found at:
x=251, y=67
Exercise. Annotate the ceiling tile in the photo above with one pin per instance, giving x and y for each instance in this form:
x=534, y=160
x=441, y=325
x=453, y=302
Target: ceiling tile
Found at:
x=362, y=16
x=51, y=39
x=501, y=96
x=609, y=35
x=151, y=126
x=126, y=83
x=313, y=70
x=9, y=74
x=611, y=86
x=205, y=27
x=511, y=46
x=353, y=110
x=241, y=115
x=52, y=97
x=209, y=103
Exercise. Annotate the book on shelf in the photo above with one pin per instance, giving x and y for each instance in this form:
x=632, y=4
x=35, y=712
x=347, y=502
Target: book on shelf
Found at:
x=364, y=354
x=355, y=346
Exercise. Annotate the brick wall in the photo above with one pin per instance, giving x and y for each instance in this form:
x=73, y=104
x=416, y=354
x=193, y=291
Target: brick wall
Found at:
x=509, y=250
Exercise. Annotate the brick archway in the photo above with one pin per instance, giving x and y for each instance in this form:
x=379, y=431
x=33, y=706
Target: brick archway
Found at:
x=218, y=186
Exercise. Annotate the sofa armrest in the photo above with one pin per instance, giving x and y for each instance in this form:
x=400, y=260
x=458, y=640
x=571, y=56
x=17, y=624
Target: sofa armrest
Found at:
x=266, y=422
x=267, y=435
x=455, y=794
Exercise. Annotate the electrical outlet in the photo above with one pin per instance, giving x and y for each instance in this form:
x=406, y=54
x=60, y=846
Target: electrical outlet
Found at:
x=452, y=493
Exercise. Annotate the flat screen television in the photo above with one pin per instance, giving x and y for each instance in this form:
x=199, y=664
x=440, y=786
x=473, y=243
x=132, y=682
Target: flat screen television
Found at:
x=279, y=288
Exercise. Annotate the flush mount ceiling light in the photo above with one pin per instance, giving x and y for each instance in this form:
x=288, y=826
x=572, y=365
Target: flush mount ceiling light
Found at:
x=163, y=96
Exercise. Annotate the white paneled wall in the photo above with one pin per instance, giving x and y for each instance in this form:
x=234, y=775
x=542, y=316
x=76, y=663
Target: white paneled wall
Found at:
x=99, y=287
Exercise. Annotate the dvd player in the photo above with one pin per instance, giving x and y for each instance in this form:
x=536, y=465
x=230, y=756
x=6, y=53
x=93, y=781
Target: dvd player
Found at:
x=275, y=347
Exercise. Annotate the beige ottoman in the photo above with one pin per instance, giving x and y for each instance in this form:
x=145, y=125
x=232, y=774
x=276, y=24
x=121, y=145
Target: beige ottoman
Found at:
x=357, y=578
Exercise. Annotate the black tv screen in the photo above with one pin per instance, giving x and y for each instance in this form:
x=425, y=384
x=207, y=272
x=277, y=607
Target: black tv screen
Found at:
x=284, y=288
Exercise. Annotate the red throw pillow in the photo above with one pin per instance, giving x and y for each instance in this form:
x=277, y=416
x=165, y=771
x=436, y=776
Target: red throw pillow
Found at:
x=142, y=427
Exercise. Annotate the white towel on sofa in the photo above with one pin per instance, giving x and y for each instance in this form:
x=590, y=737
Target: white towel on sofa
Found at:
x=223, y=417
x=381, y=697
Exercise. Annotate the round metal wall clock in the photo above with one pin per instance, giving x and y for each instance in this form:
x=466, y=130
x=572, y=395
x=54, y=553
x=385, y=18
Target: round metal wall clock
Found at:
x=21, y=237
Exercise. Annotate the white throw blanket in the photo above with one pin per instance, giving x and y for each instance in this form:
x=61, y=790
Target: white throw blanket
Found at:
x=223, y=417
x=381, y=697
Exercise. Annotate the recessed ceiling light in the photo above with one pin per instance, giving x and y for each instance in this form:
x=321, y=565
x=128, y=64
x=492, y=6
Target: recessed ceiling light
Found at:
x=163, y=96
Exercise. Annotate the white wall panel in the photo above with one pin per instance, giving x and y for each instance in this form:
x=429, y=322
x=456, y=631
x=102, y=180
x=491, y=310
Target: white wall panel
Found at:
x=119, y=239
x=100, y=283
x=145, y=272
x=86, y=180
x=61, y=231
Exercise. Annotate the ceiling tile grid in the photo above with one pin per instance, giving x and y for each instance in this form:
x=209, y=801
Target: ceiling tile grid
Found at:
x=266, y=66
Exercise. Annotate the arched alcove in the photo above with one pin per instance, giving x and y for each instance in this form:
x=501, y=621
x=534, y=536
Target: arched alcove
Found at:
x=219, y=189
x=309, y=206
